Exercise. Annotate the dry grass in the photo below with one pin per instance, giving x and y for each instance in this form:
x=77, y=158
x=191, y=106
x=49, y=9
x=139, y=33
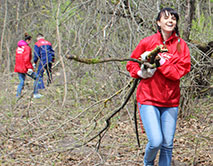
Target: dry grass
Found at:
x=41, y=132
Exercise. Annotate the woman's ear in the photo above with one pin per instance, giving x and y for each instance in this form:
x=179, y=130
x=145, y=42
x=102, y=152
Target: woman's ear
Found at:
x=158, y=22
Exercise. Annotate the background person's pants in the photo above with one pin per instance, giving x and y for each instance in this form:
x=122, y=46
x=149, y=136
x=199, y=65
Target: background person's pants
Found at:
x=22, y=77
x=40, y=72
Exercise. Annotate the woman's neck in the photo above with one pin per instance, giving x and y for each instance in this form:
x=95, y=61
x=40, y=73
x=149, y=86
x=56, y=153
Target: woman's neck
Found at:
x=166, y=35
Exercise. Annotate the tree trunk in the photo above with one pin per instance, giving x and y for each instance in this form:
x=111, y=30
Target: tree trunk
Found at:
x=190, y=11
x=60, y=51
x=3, y=31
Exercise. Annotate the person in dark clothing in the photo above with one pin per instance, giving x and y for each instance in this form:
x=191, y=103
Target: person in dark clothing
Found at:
x=44, y=53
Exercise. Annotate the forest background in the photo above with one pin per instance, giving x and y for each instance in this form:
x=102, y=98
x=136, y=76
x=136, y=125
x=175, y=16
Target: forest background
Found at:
x=66, y=126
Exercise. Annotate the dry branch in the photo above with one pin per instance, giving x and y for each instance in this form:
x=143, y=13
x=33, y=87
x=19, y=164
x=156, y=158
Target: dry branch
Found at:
x=95, y=60
x=103, y=131
x=151, y=55
x=136, y=124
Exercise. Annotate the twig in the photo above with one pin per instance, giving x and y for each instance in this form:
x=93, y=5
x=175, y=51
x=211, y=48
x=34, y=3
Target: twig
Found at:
x=103, y=131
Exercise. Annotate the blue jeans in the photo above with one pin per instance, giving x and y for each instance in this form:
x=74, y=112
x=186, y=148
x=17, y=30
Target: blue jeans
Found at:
x=160, y=125
x=40, y=73
x=22, y=77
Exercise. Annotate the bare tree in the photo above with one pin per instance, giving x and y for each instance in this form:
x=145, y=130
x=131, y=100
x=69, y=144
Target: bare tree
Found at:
x=190, y=8
x=3, y=31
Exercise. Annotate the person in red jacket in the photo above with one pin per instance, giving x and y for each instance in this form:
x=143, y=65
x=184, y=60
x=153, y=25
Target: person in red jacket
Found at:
x=23, y=65
x=158, y=92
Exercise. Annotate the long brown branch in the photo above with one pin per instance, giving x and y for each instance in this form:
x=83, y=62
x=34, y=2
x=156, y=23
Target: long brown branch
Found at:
x=95, y=60
x=151, y=55
x=136, y=124
x=102, y=133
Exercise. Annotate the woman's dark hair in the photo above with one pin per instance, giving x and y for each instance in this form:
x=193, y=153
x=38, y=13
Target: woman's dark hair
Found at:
x=27, y=37
x=40, y=35
x=172, y=12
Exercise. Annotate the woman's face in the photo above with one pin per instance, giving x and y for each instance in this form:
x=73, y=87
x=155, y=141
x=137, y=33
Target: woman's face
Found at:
x=167, y=22
x=28, y=41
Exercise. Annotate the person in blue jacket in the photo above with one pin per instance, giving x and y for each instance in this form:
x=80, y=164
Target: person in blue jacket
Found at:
x=44, y=53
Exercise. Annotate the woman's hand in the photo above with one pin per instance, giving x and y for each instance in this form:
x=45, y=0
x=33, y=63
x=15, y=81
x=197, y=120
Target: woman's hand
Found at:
x=146, y=72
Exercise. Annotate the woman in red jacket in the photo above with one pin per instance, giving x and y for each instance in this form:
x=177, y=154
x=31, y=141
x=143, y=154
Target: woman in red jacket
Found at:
x=23, y=65
x=158, y=92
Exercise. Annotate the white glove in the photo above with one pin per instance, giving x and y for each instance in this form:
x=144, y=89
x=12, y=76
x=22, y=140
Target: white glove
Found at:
x=146, y=73
x=144, y=55
x=29, y=71
x=34, y=65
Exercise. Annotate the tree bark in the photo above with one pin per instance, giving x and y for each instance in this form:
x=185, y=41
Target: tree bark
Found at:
x=190, y=11
x=3, y=31
x=60, y=52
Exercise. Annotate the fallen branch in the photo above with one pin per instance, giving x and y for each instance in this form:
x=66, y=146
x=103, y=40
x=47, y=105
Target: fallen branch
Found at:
x=151, y=56
x=95, y=60
x=102, y=133
x=136, y=124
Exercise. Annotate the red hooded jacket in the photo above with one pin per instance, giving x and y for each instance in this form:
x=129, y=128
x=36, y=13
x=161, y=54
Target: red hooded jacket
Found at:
x=162, y=89
x=23, y=57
